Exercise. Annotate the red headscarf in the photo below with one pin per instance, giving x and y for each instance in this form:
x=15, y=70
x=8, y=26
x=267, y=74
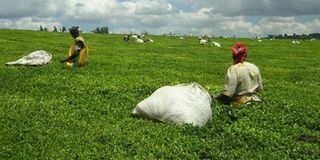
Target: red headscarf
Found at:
x=239, y=52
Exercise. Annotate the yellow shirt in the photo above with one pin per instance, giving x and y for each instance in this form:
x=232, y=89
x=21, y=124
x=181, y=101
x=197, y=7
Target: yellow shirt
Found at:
x=83, y=58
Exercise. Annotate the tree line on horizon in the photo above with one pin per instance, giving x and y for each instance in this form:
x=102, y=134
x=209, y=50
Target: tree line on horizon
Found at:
x=100, y=30
x=105, y=30
x=296, y=36
x=45, y=29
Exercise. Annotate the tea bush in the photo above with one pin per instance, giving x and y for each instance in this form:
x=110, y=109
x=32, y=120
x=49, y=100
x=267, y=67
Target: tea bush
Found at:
x=49, y=112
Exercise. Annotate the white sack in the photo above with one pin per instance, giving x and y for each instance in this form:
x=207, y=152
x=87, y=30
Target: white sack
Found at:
x=35, y=58
x=216, y=44
x=180, y=104
x=203, y=41
x=139, y=40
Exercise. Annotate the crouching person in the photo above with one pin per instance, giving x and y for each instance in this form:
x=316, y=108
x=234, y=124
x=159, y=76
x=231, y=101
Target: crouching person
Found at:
x=243, y=79
x=126, y=38
x=78, y=52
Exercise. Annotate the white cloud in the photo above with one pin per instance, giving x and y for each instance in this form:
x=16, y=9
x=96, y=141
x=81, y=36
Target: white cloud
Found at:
x=280, y=25
x=32, y=8
x=6, y=23
x=314, y=26
x=260, y=7
x=14, y=8
x=163, y=16
x=238, y=26
x=89, y=10
x=147, y=7
x=29, y=23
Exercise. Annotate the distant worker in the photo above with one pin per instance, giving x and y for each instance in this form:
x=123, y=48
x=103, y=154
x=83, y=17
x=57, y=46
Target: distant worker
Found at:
x=243, y=79
x=126, y=38
x=78, y=52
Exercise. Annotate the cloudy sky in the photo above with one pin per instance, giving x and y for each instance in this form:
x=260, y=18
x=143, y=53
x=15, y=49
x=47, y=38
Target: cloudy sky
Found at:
x=218, y=17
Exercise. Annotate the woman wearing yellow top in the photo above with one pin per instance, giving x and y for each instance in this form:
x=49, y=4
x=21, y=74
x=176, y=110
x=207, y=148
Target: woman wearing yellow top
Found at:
x=78, y=52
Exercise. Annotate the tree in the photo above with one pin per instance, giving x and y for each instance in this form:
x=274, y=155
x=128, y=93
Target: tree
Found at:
x=97, y=30
x=314, y=35
x=41, y=29
x=102, y=30
x=63, y=29
x=55, y=29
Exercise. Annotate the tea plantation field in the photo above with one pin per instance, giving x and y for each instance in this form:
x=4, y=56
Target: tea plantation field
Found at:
x=49, y=112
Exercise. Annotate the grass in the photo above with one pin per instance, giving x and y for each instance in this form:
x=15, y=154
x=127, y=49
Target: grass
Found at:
x=52, y=113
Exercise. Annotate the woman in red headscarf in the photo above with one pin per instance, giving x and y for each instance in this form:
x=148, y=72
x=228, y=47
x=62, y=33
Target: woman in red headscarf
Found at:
x=243, y=80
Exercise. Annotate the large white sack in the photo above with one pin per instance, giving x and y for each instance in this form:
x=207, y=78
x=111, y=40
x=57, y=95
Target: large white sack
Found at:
x=216, y=44
x=180, y=104
x=203, y=41
x=35, y=58
x=139, y=40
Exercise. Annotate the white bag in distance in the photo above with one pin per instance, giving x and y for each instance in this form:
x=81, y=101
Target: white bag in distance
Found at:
x=180, y=104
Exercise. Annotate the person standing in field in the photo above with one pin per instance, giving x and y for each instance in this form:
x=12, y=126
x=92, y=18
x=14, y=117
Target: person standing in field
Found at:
x=78, y=52
x=243, y=79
